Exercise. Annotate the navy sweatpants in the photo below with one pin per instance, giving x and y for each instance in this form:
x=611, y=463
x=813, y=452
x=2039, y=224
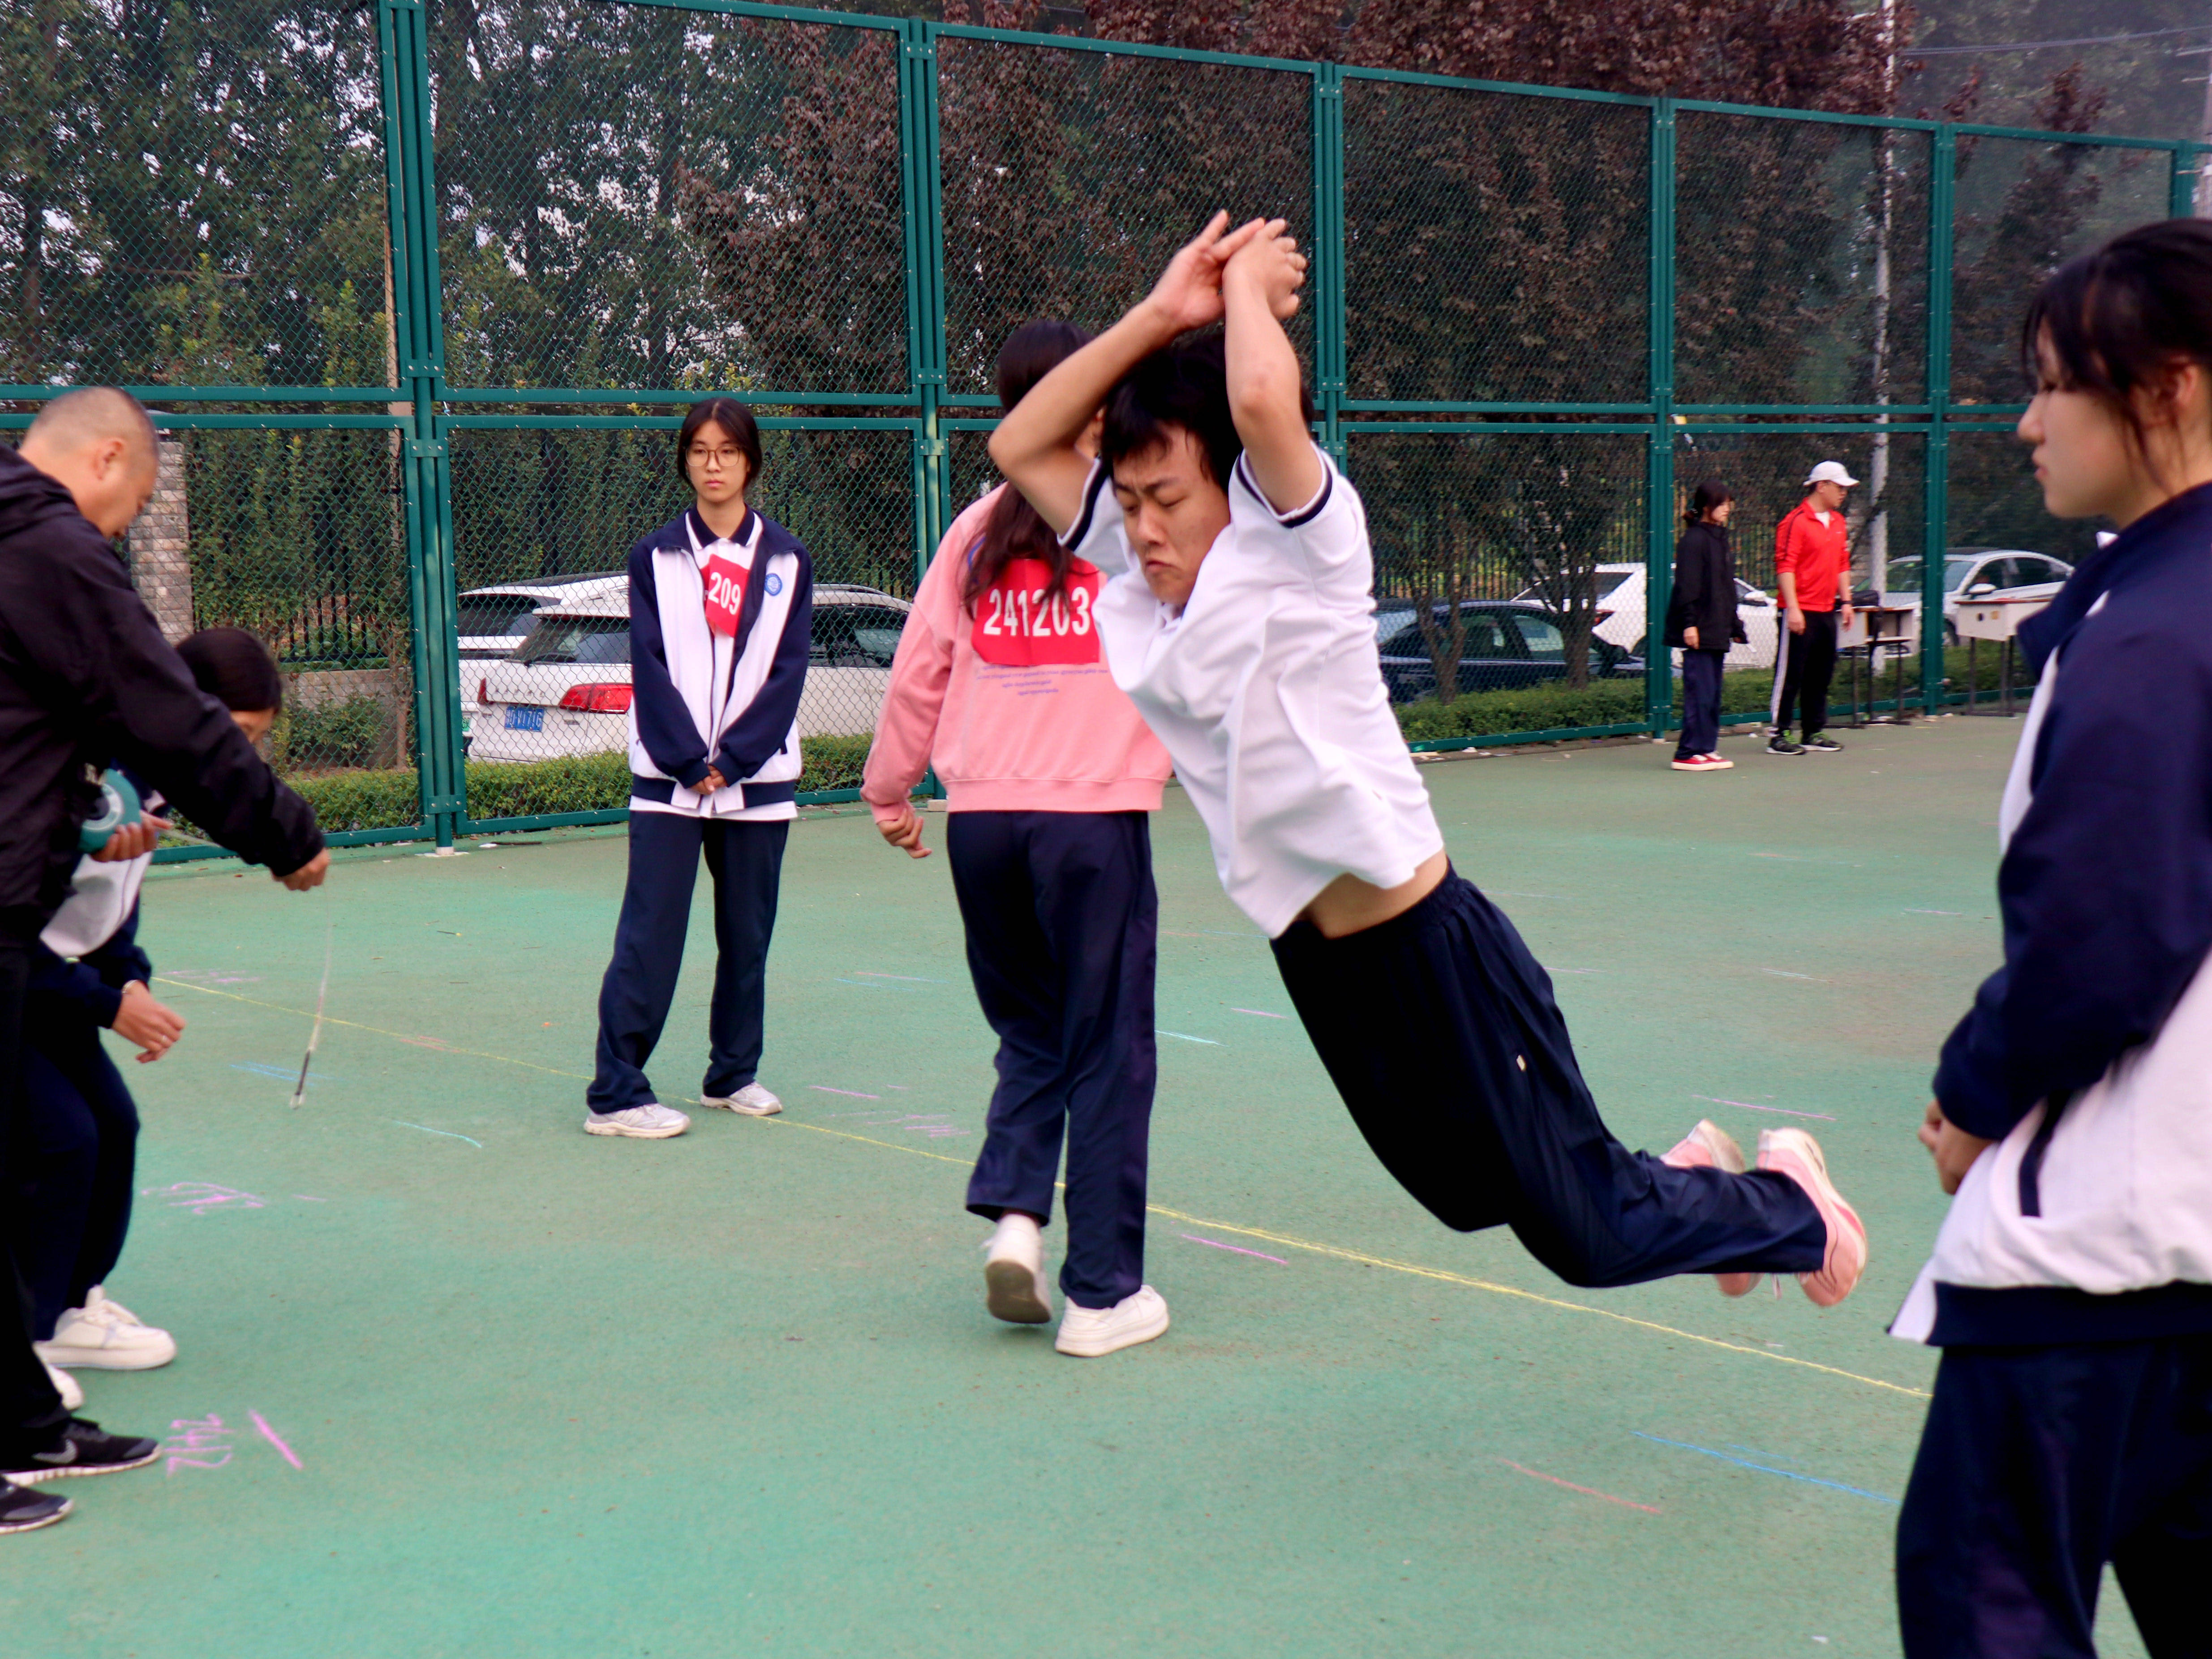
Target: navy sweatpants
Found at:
x=2038, y=1466
x=1063, y=940
x=76, y=1150
x=746, y=863
x=1439, y=1031
x=1701, y=703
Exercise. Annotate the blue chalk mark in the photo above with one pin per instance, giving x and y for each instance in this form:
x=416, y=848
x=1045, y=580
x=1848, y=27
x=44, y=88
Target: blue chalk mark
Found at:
x=1744, y=1464
x=1186, y=1037
x=282, y=1073
x=428, y=1130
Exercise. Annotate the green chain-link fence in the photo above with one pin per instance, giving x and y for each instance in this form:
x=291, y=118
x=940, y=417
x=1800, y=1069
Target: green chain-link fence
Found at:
x=419, y=292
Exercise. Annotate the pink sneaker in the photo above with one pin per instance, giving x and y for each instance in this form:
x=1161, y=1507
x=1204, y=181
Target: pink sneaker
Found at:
x=1709, y=1146
x=1798, y=1155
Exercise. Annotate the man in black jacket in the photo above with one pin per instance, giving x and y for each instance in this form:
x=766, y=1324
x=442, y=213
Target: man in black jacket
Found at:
x=86, y=679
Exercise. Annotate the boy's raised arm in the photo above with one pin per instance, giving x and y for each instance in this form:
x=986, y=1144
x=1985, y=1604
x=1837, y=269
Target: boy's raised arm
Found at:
x=1259, y=291
x=1035, y=444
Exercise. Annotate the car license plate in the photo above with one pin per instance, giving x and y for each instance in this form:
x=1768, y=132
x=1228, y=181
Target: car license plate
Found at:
x=525, y=720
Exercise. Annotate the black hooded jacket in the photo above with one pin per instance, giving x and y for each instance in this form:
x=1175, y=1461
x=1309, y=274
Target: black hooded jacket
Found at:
x=1703, y=595
x=87, y=679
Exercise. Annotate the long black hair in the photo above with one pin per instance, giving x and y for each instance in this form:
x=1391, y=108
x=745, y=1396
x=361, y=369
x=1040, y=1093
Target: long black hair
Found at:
x=1015, y=530
x=2119, y=320
x=234, y=668
x=734, y=418
x=1705, y=498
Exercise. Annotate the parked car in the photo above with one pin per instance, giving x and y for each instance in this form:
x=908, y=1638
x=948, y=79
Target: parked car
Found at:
x=1621, y=620
x=1509, y=643
x=1979, y=573
x=493, y=621
x=566, y=691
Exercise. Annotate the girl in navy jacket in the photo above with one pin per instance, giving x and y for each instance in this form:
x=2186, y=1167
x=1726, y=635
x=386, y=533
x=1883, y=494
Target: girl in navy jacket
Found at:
x=2070, y=1288
x=720, y=606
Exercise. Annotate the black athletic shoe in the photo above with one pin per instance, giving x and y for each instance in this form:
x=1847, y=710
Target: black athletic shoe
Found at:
x=1782, y=745
x=24, y=1511
x=77, y=1446
x=1821, y=744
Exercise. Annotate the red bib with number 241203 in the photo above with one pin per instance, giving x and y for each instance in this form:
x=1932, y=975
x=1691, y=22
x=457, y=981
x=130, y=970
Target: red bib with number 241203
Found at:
x=1020, y=623
x=725, y=580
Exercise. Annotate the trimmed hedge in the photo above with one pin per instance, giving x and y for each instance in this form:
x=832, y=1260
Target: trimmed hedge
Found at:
x=514, y=789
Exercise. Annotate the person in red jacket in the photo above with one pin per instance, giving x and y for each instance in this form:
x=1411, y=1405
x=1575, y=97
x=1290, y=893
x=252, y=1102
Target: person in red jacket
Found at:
x=1813, y=562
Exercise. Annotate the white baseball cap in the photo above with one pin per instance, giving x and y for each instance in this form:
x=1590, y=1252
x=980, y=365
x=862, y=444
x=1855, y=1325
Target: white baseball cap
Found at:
x=1831, y=472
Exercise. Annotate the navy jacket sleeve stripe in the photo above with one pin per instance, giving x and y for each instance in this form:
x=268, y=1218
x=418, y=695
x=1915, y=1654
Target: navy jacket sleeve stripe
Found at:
x=665, y=725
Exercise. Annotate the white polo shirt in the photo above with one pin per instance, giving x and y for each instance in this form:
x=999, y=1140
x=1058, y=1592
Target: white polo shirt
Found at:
x=1267, y=691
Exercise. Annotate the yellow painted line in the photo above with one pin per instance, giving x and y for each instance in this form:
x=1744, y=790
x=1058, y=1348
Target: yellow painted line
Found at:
x=1288, y=1241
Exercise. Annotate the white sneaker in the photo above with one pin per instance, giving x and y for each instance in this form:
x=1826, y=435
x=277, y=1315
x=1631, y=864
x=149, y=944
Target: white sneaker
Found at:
x=1015, y=1288
x=651, y=1122
x=752, y=1100
x=106, y=1336
x=1087, y=1333
x=66, y=1386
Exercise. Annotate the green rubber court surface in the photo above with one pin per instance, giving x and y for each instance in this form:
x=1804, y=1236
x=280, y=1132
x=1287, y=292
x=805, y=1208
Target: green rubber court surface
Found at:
x=456, y=1378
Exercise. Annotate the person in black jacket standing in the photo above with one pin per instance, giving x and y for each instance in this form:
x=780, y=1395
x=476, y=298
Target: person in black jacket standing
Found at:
x=1701, y=619
x=87, y=680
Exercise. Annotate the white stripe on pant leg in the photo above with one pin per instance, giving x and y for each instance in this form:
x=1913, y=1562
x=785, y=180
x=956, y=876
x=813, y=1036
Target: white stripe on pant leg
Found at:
x=1781, y=669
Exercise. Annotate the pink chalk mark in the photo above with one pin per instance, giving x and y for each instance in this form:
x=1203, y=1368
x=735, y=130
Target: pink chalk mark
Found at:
x=426, y=1041
x=1262, y=1013
x=824, y=1088
x=1239, y=1249
x=276, y=1440
x=1587, y=1492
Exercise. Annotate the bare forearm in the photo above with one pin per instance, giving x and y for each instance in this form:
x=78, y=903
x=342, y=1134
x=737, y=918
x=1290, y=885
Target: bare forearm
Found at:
x=1264, y=381
x=1035, y=444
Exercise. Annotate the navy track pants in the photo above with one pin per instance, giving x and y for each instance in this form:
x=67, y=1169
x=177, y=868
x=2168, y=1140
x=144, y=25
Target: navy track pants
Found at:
x=1063, y=942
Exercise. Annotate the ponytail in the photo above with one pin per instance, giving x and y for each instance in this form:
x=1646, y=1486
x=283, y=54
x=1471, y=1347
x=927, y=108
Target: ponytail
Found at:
x=1016, y=530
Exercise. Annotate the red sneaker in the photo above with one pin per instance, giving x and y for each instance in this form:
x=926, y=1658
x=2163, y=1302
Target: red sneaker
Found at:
x=1798, y=1155
x=1709, y=1146
x=1704, y=763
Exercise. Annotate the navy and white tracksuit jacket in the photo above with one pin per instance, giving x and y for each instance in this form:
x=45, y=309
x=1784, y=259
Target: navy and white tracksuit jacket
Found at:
x=701, y=700
x=2088, y=1056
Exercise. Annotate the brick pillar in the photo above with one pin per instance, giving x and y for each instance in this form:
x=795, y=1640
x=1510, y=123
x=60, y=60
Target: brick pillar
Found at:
x=160, y=544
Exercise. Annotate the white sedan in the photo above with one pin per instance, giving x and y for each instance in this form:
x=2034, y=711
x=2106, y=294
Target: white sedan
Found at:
x=566, y=691
x=1980, y=572
x=1620, y=615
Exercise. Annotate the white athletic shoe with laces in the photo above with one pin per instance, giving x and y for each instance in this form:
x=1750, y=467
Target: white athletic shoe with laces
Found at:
x=72, y=1392
x=1015, y=1288
x=1087, y=1333
x=106, y=1336
x=752, y=1100
x=651, y=1122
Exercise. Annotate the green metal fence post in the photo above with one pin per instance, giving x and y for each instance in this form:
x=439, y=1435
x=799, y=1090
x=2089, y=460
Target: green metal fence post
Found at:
x=405, y=75
x=1329, y=253
x=1942, y=162
x=932, y=482
x=2181, y=182
x=1659, y=470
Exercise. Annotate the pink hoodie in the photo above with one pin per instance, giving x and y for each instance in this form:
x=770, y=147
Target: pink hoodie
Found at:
x=1013, y=703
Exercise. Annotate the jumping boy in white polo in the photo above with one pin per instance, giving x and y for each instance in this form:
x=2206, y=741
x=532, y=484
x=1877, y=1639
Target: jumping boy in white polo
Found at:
x=1240, y=621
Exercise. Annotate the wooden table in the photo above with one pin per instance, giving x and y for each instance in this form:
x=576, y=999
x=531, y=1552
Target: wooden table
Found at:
x=1877, y=630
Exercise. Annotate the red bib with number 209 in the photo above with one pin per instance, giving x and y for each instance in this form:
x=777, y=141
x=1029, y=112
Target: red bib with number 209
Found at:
x=725, y=580
x=1020, y=623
